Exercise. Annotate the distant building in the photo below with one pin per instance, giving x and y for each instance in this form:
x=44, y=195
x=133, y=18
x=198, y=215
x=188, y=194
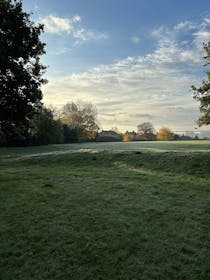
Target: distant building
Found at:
x=108, y=136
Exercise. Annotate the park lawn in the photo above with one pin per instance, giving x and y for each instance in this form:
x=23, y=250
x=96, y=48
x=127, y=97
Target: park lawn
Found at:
x=126, y=215
x=153, y=146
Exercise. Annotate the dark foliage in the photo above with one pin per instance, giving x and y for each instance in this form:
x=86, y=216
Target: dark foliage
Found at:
x=69, y=134
x=21, y=73
x=45, y=129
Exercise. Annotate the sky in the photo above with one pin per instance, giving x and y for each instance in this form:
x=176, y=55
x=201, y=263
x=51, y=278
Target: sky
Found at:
x=135, y=60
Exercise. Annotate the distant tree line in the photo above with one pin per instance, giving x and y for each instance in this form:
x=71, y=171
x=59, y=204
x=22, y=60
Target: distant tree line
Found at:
x=145, y=132
x=75, y=122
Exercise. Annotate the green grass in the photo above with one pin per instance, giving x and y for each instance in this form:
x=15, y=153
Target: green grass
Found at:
x=136, y=214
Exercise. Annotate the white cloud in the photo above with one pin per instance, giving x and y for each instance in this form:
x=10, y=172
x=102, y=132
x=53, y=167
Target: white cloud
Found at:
x=61, y=50
x=184, y=26
x=135, y=39
x=189, y=55
x=160, y=32
x=207, y=21
x=55, y=24
x=76, y=18
x=72, y=26
x=198, y=30
x=199, y=37
x=202, y=35
x=84, y=35
x=154, y=87
x=191, y=48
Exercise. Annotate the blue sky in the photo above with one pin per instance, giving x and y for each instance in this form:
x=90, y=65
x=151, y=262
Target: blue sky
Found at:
x=134, y=59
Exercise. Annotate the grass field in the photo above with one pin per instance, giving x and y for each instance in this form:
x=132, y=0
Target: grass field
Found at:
x=185, y=146
x=137, y=210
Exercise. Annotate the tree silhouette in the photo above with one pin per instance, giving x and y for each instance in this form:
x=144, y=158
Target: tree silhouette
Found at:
x=21, y=73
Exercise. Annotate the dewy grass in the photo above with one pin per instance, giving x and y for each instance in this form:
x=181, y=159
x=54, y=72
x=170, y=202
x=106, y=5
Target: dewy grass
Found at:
x=184, y=146
x=106, y=215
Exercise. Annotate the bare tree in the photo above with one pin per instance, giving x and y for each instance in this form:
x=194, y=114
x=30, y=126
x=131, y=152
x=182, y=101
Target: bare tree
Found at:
x=82, y=117
x=146, y=131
